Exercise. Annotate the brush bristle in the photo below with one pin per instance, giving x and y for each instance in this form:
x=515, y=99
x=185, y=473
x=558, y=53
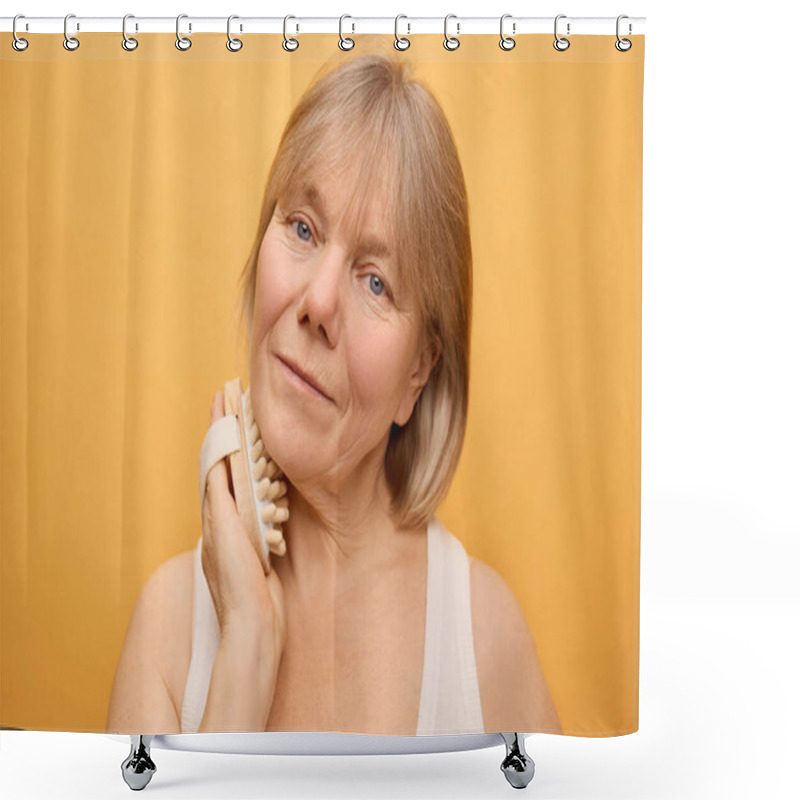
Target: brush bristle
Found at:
x=269, y=490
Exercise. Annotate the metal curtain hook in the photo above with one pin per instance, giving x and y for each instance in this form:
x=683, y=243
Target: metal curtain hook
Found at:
x=128, y=42
x=345, y=42
x=400, y=42
x=17, y=43
x=289, y=44
x=506, y=42
x=70, y=42
x=623, y=45
x=234, y=45
x=181, y=42
x=451, y=42
x=561, y=43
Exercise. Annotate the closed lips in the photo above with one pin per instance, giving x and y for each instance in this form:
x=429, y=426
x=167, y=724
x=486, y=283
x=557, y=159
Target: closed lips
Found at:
x=305, y=376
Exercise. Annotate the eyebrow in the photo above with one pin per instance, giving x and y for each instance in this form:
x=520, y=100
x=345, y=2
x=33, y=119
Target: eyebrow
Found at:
x=310, y=192
x=370, y=245
x=375, y=247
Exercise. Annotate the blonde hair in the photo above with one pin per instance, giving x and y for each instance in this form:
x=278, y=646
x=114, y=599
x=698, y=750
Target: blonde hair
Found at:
x=369, y=117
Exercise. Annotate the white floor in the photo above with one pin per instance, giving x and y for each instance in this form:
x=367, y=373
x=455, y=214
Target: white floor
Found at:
x=719, y=701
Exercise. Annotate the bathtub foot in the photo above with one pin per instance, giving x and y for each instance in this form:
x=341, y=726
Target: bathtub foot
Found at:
x=138, y=767
x=517, y=766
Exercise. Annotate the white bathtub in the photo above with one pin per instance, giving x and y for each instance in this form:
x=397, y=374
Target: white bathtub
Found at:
x=317, y=743
x=138, y=768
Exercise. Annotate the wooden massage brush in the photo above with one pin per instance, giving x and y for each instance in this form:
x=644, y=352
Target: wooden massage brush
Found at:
x=257, y=486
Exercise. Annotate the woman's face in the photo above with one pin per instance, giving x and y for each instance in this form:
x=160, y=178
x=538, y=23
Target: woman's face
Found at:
x=331, y=305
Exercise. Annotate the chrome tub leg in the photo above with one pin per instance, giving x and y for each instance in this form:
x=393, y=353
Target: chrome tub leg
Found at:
x=517, y=766
x=138, y=767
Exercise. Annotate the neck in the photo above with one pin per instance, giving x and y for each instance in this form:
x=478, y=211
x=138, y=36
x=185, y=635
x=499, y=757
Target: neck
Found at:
x=331, y=535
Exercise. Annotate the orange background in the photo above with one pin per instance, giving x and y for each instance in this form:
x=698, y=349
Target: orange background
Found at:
x=130, y=188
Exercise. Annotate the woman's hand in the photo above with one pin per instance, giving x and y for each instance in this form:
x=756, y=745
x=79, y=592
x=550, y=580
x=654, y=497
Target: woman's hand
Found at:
x=248, y=602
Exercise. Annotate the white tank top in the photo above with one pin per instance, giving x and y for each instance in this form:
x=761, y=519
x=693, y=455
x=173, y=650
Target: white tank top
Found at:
x=450, y=700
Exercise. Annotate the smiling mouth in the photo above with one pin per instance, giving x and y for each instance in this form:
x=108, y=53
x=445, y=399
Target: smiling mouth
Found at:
x=301, y=383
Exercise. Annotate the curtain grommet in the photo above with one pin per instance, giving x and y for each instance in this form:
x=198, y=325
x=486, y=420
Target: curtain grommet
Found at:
x=345, y=42
x=233, y=44
x=400, y=42
x=129, y=43
x=561, y=44
x=289, y=44
x=182, y=42
x=507, y=42
x=17, y=42
x=451, y=43
x=70, y=42
x=623, y=45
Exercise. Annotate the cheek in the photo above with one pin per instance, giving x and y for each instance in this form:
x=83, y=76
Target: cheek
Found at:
x=378, y=371
x=269, y=299
x=271, y=289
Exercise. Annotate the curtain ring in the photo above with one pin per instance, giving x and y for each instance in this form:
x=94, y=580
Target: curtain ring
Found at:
x=451, y=42
x=289, y=44
x=561, y=43
x=506, y=42
x=345, y=42
x=234, y=45
x=182, y=42
x=17, y=43
x=623, y=48
x=400, y=42
x=128, y=42
x=70, y=42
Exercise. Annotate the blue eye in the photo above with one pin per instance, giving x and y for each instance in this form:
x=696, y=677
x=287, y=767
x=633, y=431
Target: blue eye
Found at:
x=305, y=227
x=380, y=282
x=385, y=290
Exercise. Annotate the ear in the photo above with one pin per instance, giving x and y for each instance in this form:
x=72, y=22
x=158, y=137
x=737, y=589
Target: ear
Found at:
x=424, y=364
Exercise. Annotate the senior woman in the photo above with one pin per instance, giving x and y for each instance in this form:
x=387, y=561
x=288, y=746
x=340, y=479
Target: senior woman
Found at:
x=375, y=620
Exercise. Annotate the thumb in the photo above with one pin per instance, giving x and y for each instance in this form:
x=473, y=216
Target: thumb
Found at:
x=217, y=407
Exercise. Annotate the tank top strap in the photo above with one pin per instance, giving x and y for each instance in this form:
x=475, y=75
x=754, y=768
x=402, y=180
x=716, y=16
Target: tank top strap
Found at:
x=205, y=642
x=450, y=695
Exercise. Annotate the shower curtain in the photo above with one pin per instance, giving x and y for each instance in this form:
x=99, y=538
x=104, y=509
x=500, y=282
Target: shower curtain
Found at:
x=133, y=190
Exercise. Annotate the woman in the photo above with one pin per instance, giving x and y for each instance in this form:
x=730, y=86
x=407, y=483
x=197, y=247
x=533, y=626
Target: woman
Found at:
x=375, y=620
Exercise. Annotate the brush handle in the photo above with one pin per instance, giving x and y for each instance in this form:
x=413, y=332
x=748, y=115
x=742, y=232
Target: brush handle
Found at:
x=222, y=439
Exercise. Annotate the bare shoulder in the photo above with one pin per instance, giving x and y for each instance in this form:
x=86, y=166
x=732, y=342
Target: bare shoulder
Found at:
x=147, y=692
x=173, y=582
x=166, y=609
x=512, y=685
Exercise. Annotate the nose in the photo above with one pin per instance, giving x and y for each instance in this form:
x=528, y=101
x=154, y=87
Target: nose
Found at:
x=319, y=305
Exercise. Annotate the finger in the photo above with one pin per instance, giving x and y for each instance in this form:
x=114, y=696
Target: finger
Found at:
x=276, y=595
x=217, y=408
x=217, y=486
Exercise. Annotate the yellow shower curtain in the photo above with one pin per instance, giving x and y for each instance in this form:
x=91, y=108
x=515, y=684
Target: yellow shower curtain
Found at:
x=130, y=188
